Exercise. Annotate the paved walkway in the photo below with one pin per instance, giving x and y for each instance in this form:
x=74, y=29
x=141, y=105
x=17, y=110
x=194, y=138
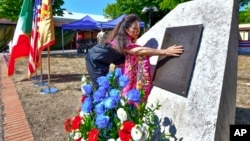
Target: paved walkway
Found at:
x=13, y=122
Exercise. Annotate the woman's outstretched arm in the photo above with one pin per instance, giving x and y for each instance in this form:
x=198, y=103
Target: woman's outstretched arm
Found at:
x=170, y=51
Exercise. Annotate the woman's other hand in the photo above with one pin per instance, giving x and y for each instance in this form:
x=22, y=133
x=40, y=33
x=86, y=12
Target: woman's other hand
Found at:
x=174, y=50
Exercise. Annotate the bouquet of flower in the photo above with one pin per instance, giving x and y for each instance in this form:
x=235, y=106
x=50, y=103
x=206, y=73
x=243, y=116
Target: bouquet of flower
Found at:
x=108, y=114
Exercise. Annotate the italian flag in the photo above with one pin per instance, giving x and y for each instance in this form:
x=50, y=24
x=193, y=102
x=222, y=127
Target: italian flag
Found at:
x=20, y=46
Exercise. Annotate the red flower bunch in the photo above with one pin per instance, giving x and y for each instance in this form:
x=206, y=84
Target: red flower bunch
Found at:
x=125, y=130
x=72, y=124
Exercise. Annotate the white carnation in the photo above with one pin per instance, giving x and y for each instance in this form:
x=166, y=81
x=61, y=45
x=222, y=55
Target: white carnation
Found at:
x=118, y=139
x=136, y=133
x=122, y=115
x=111, y=139
x=77, y=135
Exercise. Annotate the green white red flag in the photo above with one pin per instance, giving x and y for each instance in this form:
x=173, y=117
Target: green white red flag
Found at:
x=20, y=46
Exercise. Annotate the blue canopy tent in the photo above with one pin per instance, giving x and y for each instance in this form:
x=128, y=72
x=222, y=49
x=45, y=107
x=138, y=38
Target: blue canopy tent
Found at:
x=114, y=22
x=84, y=24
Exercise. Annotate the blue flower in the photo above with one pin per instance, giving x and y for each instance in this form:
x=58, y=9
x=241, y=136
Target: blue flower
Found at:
x=115, y=93
x=134, y=95
x=109, y=75
x=109, y=102
x=99, y=94
x=87, y=88
x=102, y=121
x=118, y=72
x=103, y=82
x=100, y=109
x=87, y=105
x=123, y=80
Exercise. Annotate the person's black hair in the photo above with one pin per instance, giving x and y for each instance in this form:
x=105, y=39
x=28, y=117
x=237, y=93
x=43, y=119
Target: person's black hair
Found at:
x=119, y=34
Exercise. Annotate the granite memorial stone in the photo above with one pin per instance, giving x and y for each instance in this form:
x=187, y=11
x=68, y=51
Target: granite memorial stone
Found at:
x=207, y=111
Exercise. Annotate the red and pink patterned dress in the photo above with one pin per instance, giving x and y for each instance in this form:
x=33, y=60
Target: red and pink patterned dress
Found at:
x=137, y=69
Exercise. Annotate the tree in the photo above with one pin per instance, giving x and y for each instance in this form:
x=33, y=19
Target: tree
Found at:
x=170, y=4
x=135, y=6
x=10, y=9
x=244, y=16
x=243, y=2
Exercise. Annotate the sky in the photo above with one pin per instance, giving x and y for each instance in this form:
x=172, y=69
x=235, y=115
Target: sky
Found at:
x=87, y=6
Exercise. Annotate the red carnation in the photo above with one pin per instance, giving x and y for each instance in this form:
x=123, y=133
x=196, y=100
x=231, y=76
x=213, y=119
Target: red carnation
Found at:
x=67, y=125
x=93, y=135
x=76, y=122
x=125, y=131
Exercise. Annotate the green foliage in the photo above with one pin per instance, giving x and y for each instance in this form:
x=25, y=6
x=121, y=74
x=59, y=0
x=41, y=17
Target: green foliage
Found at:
x=56, y=7
x=244, y=2
x=10, y=9
x=170, y=4
x=135, y=6
x=112, y=11
x=244, y=16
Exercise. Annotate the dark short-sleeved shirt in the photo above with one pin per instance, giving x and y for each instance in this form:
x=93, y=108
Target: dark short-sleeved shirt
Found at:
x=101, y=56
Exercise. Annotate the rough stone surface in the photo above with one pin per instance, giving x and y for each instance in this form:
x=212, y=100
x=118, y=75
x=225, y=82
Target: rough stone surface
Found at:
x=208, y=110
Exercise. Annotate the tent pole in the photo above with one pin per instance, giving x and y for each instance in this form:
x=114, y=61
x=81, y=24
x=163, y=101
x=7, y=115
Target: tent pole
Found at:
x=62, y=41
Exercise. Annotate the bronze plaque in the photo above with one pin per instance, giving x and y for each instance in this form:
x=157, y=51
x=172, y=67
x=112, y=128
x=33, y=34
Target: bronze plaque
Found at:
x=175, y=73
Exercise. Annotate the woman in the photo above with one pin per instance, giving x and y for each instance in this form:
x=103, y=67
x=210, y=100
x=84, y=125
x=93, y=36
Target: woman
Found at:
x=120, y=48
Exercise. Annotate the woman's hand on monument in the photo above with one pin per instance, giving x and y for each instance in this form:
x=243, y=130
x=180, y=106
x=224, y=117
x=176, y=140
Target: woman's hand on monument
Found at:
x=174, y=50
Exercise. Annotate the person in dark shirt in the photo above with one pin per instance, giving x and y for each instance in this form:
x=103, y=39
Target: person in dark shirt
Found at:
x=99, y=59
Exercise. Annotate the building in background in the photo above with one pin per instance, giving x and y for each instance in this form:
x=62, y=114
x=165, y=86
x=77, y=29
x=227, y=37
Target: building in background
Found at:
x=244, y=30
x=244, y=39
x=7, y=29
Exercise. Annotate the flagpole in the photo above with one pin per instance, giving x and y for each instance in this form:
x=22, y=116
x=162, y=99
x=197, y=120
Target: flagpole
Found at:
x=47, y=37
x=49, y=89
x=35, y=78
x=41, y=83
x=48, y=68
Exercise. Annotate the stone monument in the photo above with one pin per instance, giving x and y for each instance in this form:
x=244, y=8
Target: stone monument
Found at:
x=207, y=111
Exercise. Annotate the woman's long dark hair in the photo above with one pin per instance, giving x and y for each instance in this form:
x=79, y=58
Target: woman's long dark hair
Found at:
x=119, y=34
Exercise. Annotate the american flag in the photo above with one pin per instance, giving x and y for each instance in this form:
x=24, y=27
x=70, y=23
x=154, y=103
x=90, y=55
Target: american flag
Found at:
x=33, y=55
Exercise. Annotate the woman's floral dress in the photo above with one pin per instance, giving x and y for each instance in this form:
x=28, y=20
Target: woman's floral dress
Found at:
x=137, y=69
